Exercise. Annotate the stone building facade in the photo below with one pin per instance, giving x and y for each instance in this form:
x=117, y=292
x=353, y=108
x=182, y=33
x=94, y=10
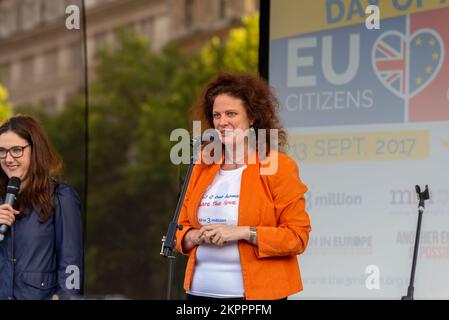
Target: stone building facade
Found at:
x=41, y=59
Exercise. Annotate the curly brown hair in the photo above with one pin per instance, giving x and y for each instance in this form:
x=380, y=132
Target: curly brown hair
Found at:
x=45, y=164
x=261, y=104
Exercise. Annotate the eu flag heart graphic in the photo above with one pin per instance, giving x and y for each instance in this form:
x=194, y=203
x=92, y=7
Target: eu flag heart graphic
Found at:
x=407, y=65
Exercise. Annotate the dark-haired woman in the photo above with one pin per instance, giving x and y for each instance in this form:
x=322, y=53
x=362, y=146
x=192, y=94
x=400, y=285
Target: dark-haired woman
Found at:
x=243, y=227
x=41, y=256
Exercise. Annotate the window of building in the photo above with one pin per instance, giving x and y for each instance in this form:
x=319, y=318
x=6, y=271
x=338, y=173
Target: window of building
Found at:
x=3, y=23
x=146, y=27
x=188, y=13
x=8, y=19
x=75, y=57
x=100, y=40
x=29, y=14
x=27, y=69
x=4, y=75
x=51, y=9
x=222, y=9
x=51, y=63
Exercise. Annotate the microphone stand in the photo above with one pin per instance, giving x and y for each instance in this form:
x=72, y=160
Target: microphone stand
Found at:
x=169, y=240
x=422, y=196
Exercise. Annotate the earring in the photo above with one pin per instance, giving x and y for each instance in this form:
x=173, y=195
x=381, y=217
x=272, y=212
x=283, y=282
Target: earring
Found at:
x=251, y=128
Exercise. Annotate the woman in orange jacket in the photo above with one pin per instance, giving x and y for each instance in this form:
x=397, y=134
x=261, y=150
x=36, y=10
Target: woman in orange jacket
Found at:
x=244, y=223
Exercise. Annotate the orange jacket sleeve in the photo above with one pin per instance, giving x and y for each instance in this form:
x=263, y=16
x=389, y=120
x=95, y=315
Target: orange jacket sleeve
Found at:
x=291, y=234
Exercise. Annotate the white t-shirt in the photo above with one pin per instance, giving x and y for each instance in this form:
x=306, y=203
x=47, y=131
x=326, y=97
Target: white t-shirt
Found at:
x=218, y=272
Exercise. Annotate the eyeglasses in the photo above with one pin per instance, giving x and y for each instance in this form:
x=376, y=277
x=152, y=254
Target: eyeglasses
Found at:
x=15, y=152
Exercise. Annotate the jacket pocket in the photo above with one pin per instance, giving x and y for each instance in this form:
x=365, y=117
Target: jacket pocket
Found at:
x=39, y=280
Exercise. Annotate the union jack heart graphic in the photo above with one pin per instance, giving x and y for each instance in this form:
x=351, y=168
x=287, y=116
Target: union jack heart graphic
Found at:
x=407, y=65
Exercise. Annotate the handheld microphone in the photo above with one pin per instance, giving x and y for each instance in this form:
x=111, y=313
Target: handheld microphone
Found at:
x=197, y=141
x=12, y=190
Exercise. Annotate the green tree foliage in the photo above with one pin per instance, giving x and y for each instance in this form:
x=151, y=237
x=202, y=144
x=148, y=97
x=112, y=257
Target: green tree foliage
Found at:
x=238, y=53
x=136, y=100
x=5, y=107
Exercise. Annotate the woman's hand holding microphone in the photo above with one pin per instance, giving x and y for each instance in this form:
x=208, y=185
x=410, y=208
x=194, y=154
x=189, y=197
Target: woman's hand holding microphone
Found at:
x=7, y=214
